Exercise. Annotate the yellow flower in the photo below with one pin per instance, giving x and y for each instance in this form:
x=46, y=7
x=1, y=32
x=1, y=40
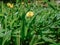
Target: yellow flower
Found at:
x=22, y=3
x=30, y=14
x=10, y=5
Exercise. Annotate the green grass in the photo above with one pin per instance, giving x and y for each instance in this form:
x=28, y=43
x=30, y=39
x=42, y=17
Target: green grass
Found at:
x=41, y=29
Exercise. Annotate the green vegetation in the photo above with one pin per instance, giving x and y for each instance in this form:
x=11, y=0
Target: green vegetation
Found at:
x=42, y=28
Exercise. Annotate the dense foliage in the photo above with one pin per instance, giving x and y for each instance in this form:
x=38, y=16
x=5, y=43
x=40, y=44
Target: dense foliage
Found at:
x=40, y=27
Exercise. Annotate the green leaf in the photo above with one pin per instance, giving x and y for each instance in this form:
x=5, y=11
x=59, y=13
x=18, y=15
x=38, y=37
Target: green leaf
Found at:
x=47, y=39
x=1, y=14
x=7, y=37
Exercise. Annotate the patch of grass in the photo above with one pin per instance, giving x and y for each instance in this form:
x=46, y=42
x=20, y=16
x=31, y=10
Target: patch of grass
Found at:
x=43, y=28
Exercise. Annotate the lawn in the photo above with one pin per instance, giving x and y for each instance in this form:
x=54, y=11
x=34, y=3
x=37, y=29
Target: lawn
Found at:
x=29, y=24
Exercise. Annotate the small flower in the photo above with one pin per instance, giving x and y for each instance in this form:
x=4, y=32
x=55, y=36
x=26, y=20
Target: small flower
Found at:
x=22, y=3
x=10, y=5
x=29, y=14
